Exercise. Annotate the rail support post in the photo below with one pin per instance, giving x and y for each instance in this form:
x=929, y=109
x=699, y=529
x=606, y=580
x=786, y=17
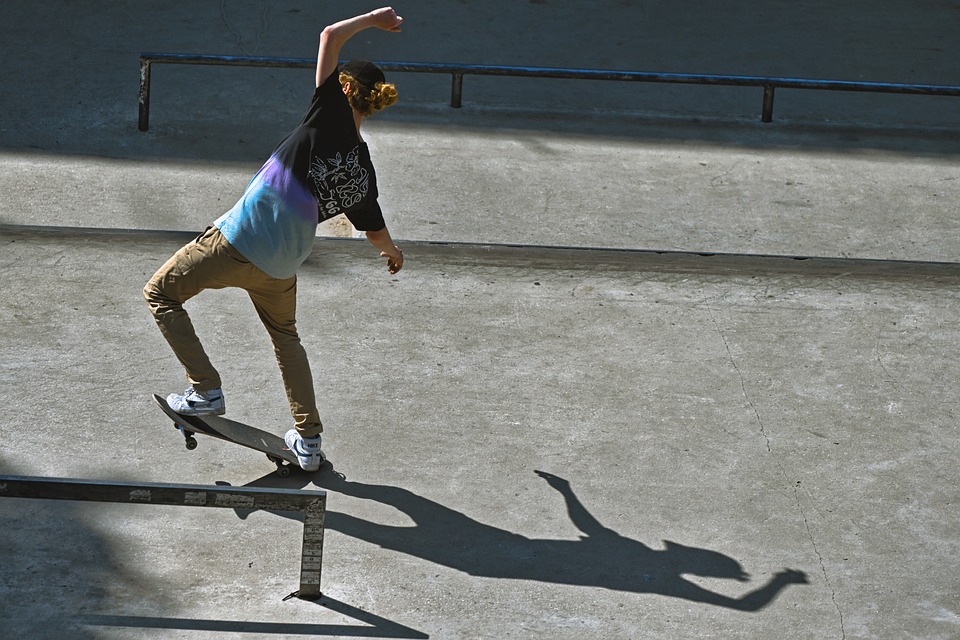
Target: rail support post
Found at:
x=143, y=120
x=456, y=91
x=312, y=556
x=767, y=115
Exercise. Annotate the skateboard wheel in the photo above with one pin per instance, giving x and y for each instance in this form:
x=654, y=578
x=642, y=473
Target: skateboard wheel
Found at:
x=284, y=471
x=190, y=443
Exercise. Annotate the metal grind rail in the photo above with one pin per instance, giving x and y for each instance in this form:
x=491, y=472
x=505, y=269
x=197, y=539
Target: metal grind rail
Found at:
x=312, y=504
x=458, y=71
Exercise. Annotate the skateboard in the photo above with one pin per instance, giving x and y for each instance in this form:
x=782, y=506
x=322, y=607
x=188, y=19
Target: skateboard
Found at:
x=232, y=431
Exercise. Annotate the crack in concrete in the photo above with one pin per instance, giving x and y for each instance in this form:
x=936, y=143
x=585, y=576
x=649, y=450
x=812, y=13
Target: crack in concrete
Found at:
x=816, y=550
x=783, y=471
x=258, y=37
x=878, y=352
x=743, y=384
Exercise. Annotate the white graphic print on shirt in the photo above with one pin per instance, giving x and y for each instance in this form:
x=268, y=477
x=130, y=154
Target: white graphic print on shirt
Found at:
x=339, y=183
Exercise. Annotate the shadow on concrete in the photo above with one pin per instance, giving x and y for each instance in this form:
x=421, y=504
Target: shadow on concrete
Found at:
x=641, y=127
x=660, y=261
x=87, y=101
x=378, y=627
x=55, y=565
x=177, y=136
x=543, y=256
x=600, y=558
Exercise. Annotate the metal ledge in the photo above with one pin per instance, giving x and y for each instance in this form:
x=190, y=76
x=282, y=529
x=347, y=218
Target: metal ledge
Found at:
x=458, y=71
x=313, y=505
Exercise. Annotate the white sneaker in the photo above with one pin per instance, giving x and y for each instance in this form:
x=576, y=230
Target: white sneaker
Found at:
x=307, y=450
x=198, y=403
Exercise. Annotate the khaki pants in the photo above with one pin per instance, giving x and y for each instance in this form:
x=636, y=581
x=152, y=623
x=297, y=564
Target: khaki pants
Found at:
x=209, y=262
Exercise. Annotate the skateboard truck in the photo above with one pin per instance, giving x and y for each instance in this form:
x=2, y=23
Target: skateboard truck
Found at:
x=188, y=440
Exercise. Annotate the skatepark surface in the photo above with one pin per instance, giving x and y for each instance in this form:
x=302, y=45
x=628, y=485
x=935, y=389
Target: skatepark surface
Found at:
x=652, y=369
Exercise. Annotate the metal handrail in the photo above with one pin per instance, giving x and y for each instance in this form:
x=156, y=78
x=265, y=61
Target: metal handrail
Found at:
x=458, y=71
x=313, y=505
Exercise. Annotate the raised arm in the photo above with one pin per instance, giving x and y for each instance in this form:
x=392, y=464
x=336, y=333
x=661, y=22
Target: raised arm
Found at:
x=334, y=36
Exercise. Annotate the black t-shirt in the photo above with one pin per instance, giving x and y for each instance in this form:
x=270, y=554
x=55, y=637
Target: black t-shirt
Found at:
x=321, y=169
x=326, y=153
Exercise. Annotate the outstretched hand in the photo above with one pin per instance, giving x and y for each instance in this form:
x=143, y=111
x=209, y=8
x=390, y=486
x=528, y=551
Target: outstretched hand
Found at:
x=554, y=481
x=793, y=576
x=387, y=19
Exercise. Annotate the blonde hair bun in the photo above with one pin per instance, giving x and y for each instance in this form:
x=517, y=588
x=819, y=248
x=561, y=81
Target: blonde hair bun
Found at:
x=365, y=100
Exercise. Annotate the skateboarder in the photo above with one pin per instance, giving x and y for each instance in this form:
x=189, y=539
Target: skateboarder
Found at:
x=321, y=169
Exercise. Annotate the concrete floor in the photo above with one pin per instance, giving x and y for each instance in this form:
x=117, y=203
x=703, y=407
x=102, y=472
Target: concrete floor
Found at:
x=651, y=370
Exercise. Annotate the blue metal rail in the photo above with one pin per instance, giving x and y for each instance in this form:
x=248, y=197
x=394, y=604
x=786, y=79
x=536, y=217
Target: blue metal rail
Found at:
x=458, y=71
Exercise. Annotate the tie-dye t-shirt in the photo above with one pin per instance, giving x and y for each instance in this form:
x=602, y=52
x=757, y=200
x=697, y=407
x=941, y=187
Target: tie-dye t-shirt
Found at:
x=320, y=170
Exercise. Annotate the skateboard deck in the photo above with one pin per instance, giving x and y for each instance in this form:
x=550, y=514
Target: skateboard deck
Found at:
x=232, y=431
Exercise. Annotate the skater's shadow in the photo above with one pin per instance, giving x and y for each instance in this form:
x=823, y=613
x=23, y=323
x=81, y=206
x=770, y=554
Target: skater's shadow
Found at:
x=600, y=557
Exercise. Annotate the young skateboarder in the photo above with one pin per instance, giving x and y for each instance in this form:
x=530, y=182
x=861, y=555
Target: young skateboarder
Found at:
x=321, y=169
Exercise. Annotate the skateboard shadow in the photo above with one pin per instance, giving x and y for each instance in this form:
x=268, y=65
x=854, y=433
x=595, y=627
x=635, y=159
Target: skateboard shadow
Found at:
x=599, y=558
